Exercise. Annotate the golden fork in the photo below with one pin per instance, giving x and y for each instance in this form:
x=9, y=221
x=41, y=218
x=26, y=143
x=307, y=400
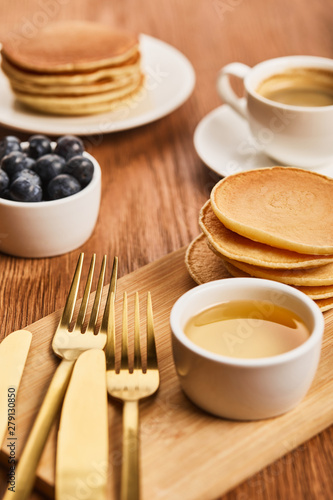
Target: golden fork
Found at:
x=130, y=387
x=68, y=345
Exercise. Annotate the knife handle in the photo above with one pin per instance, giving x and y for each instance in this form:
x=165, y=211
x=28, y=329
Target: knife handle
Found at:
x=130, y=488
x=29, y=459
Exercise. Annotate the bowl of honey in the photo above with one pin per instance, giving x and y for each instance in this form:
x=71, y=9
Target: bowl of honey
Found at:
x=246, y=348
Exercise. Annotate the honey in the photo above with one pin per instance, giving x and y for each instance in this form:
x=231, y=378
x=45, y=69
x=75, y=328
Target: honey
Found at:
x=247, y=329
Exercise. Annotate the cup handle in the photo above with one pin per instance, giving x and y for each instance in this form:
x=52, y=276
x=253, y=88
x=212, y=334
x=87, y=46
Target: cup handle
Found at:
x=225, y=90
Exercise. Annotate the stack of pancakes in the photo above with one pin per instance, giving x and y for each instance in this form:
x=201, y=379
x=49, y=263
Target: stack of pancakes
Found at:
x=273, y=223
x=73, y=68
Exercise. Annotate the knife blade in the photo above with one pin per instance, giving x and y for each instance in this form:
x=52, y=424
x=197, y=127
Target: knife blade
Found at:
x=82, y=447
x=14, y=350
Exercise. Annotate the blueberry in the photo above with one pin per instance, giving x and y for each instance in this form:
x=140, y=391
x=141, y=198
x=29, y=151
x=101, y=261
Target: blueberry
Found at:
x=81, y=168
x=62, y=186
x=14, y=162
x=5, y=194
x=69, y=146
x=29, y=162
x=24, y=190
x=49, y=166
x=25, y=148
x=28, y=174
x=39, y=145
x=9, y=144
x=4, y=181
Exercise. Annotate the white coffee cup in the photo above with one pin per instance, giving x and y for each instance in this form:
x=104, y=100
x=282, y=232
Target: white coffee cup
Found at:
x=293, y=135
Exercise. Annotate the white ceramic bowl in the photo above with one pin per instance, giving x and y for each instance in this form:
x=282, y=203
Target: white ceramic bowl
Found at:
x=245, y=389
x=49, y=228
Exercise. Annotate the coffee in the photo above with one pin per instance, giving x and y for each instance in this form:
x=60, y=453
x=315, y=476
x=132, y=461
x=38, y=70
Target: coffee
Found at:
x=247, y=329
x=310, y=87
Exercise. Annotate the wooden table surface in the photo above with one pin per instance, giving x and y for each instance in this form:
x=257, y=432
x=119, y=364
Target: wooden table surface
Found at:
x=153, y=181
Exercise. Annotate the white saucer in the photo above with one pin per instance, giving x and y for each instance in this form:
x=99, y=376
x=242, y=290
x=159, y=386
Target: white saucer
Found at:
x=224, y=143
x=170, y=79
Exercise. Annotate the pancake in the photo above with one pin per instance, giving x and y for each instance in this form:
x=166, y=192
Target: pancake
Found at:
x=74, y=68
x=325, y=304
x=204, y=266
x=284, y=207
x=315, y=276
x=80, y=105
x=71, y=46
x=317, y=292
x=237, y=247
x=128, y=68
x=63, y=90
x=235, y=272
x=314, y=292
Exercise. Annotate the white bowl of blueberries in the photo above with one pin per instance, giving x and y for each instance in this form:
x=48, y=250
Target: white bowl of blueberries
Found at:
x=49, y=195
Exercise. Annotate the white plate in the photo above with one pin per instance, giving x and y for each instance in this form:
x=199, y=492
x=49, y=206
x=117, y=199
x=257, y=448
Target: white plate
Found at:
x=170, y=79
x=224, y=143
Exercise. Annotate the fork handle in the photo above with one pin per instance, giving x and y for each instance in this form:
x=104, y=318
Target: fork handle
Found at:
x=29, y=459
x=130, y=488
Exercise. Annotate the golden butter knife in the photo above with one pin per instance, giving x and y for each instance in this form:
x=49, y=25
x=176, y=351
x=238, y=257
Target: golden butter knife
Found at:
x=82, y=450
x=14, y=350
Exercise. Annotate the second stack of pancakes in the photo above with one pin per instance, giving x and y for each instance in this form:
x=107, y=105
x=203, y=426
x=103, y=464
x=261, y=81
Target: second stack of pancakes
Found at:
x=73, y=68
x=274, y=223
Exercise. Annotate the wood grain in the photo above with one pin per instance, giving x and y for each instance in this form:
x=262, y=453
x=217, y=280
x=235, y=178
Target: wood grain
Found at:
x=216, y=454
x=153, y=182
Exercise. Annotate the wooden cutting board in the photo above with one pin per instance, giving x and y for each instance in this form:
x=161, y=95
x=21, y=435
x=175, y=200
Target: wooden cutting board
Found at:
x=185, y=453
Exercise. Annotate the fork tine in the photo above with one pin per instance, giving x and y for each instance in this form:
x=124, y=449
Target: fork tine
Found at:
x=112, y=290
x=124, y=339
x=97, y=301
x=137, y=353
x=110, y=347
x=84, y=302
x=108, y=321
x=67, y=314
x=151, y=345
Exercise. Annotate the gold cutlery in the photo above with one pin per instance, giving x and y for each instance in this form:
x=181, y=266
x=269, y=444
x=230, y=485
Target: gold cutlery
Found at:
x=130, y=386
x=67, y=344
x=13, y=354
x=82, y=444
